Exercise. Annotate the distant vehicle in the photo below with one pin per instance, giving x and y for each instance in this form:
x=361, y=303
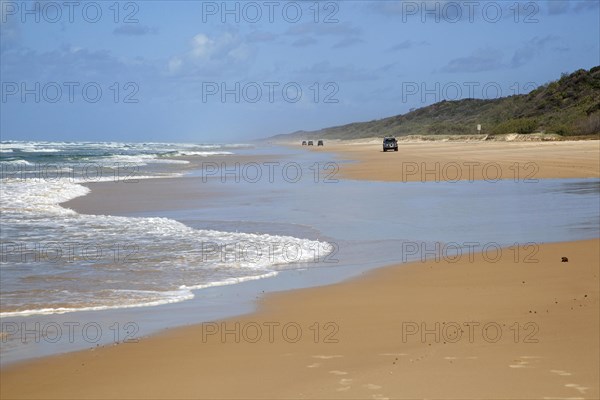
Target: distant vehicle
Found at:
x=320, y=143
x=390, y=143
x=310, y=142
x=304, y=143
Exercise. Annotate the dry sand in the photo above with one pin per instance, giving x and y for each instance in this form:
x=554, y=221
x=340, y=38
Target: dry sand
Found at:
x=360, y=351
x=449, y=161
x=555, y=305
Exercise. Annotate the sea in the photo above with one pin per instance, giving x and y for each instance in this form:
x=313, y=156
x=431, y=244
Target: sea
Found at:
x=54, y=260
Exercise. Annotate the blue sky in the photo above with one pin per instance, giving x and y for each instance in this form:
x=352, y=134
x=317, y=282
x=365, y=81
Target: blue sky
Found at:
x=204, y=71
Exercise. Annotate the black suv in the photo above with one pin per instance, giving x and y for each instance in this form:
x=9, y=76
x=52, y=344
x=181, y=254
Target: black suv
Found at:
x=320, y=143
x=390, y=143
x=310, y=142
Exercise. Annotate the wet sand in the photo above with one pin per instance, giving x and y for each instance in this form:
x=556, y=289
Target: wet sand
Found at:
x=143, y=195
x=540, y=340
x=124, y=197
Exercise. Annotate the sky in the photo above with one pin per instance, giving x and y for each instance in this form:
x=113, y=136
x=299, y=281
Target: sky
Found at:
x=233, y=71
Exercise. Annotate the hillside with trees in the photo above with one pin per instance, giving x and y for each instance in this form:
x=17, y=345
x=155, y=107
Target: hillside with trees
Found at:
x=569, y=106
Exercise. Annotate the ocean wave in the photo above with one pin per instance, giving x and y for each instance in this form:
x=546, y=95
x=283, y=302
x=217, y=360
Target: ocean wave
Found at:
x=167, y=297
x=203, y=153
x=16, y=162
x=140, y=159
x=157, y=298
x=172, y=260
x=38, y=196
x=44, y=150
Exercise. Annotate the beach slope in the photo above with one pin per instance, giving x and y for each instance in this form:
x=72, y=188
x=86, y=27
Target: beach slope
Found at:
x=529, y=330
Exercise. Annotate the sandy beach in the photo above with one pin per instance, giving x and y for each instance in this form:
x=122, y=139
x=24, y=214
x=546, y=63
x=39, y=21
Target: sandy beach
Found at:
x=520, y=324
x=541, y=340
x=438, y=161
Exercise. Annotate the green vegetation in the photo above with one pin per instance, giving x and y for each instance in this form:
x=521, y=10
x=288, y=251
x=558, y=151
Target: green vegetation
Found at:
x=569, y=106
x=519, y=125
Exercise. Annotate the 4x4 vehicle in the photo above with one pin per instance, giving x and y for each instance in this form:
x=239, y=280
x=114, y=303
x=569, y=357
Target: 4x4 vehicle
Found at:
x=320, y=143
x=390, y=143
x=304, y=143
x=310, y=142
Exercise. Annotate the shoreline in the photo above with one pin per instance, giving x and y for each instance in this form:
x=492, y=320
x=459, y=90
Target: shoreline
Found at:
x=287, y=307
x=348, y=351
x=155, y=191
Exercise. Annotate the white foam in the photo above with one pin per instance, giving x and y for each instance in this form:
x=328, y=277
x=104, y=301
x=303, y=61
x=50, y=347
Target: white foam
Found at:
x=38, y=196
x=230, y=281
x=170, y=247
x=43, y=150
x=204, y=153
x=168, y=298
x=139, y=159
x=16, y=162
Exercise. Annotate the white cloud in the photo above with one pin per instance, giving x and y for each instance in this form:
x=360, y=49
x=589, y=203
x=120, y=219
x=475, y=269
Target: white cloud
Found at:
x=212, y=54
x=219, y=48
x=202, y=46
